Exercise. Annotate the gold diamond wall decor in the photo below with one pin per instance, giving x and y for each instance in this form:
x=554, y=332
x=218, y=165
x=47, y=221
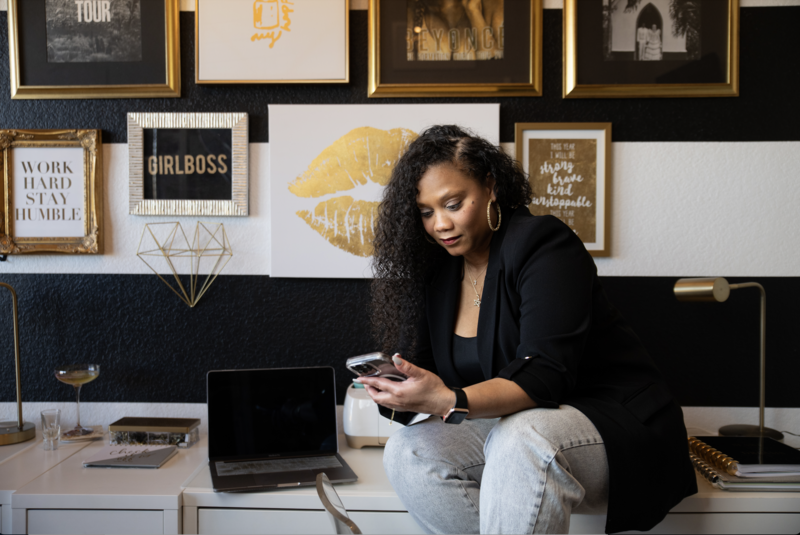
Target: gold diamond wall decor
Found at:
x=164, y=248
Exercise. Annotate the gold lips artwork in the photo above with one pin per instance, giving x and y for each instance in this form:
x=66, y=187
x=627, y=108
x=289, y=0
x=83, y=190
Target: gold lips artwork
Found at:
x=363, y=154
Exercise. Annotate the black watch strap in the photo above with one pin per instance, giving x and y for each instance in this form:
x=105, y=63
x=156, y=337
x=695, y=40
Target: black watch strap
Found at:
x=460, y=410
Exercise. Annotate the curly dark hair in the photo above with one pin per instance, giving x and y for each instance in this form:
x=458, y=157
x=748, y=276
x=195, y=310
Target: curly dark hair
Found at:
x=404, y=258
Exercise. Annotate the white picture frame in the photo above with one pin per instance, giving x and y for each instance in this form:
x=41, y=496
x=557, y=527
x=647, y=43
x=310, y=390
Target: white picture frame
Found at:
x=138, y=167
x=272, y=41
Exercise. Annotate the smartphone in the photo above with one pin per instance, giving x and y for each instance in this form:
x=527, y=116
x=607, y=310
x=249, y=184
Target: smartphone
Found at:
x=375, y=365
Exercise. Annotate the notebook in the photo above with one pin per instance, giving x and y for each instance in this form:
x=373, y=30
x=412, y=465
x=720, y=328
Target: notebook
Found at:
x=747, y=457
x=724, y=481
x=123, y=456
x=273, y=428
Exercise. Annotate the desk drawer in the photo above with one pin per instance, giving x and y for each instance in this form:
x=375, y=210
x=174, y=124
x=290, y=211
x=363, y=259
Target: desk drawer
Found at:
x=69, y=521
x=702, y=523
x=269, y=521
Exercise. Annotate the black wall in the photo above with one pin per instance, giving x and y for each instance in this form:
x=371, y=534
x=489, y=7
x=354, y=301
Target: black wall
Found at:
x=153, y=348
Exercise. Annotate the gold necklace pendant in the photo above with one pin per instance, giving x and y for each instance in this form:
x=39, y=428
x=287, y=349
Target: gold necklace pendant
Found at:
x=477, y=299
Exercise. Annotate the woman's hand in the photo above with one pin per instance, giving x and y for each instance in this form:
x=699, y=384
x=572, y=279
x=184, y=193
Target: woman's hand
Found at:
x=422, y=392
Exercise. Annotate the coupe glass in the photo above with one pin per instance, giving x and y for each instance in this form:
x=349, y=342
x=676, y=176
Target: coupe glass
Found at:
x=78, y=375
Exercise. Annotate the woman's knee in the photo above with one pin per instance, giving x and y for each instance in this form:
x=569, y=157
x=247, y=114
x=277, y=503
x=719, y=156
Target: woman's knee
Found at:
x=397, y=452
x=407, y=446
x=530, y=429
x=560, y=428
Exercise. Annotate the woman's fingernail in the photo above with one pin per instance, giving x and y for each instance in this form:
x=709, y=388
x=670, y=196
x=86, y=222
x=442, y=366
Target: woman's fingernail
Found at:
x=396, y=359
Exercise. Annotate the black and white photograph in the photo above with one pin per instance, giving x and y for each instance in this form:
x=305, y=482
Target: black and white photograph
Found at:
x=652, y=30
x=87, y=31
x=651, y=48
x=443, y=30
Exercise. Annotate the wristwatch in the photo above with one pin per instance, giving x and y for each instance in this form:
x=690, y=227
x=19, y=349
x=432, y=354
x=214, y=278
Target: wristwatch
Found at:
x=459, y=411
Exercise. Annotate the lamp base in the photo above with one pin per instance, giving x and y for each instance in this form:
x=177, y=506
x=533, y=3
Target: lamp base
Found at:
x=741, y=430
x=10, y=433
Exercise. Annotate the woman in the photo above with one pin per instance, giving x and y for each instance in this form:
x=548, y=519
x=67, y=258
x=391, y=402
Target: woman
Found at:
x=481, y=296
x=652, y=48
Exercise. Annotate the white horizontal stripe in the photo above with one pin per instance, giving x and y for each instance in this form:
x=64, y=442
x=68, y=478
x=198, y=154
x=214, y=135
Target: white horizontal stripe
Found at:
x=249, y=236
x=361, y=5
x=104, y=413
x=708, y=420
x=678, y=209
x=698, y=420
x=559, y=4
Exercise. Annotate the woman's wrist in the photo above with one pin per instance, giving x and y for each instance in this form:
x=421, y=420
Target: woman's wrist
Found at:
x=447, y=400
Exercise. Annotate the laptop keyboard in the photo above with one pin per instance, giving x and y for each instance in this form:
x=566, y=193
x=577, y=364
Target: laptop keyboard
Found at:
x=244, y=468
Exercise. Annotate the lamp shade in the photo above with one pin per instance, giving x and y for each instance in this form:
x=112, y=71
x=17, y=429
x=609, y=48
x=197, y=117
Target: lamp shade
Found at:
x=705, y=289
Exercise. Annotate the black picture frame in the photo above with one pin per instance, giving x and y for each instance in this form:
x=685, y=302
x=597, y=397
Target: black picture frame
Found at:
x=692, y=50
x=155, y=75
x=392, y=74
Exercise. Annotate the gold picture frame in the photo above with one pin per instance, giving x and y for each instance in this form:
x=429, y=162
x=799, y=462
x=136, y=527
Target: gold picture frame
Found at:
x=573, y=162
x=532, y=87
x=343, y=80
x=170, y=88
x=239, y=165
x=44, y=215
x=572, y=88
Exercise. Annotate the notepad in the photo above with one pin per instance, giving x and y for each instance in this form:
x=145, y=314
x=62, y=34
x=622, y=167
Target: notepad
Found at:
x=747, y=457
x=131, y=457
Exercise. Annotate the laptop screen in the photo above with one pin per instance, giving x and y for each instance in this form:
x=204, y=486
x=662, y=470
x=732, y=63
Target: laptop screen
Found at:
x=271, y=413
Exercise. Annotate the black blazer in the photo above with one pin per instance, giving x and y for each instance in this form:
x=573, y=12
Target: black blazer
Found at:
x=542, y=299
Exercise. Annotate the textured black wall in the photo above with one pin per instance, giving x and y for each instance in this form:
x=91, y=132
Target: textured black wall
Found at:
x=769, y=75
x=153, y=348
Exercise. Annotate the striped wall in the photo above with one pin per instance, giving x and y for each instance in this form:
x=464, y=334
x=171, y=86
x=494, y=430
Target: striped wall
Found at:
x=700, y=187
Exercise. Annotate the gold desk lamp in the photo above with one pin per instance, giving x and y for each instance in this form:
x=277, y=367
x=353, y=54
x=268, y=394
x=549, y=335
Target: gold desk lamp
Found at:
x=19, y=431
x=717, y=289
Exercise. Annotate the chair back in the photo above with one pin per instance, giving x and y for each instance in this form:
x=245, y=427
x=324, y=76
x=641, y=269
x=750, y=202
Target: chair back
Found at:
x=333, y=505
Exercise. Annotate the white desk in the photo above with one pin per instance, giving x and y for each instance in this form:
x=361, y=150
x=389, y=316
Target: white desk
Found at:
x=717, y=511
x=69, y=498
x=375, y=509
x=22, y=463
x=55, y=494
x=371, y=503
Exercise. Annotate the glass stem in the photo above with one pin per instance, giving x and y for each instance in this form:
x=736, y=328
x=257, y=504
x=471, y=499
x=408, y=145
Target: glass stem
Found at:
x=78, y=400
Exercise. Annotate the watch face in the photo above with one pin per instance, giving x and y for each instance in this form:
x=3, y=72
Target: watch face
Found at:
x=456, y=416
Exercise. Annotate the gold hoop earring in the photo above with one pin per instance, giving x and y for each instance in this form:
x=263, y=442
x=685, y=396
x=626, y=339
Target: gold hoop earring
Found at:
x=489, y=216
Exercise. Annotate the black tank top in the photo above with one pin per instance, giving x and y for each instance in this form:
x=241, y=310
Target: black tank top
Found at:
x=465, y=359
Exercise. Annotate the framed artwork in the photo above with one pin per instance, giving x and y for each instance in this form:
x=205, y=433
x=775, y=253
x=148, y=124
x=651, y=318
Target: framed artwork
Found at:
x=272, y=41
x=188, y=164
x=52, y=191
x=430, y=48
x=329, y=165
x=651, y=48
x=568, y=165
x=94, y=49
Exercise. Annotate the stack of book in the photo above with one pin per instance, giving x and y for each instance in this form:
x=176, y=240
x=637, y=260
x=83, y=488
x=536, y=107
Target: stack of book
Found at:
x=746, y=463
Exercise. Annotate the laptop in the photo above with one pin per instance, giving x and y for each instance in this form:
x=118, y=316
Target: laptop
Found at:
x=273, y=428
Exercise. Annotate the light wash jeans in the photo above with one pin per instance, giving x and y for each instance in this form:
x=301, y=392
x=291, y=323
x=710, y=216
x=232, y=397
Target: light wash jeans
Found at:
x=523, y=473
